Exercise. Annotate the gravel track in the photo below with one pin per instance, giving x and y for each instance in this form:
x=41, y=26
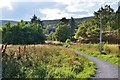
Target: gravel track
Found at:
x=105, y=70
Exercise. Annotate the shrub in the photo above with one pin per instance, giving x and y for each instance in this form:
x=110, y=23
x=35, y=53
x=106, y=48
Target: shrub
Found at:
x=43, y=61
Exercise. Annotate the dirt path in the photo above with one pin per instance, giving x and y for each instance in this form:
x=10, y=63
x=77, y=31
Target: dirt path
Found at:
x=104, y=69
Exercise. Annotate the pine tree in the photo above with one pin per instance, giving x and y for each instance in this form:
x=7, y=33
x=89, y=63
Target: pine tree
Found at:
x=72, y=27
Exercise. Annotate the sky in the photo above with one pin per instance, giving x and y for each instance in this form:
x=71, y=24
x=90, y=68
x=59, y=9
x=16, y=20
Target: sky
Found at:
x=51, y=9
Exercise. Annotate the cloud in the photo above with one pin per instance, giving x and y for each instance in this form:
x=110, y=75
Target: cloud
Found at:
x=31, y=0
x=59, y=1
x=52, y=9
x=79, y=1
x=6, y=4
x=115, y=2
x=53, y=14
x=76, y=9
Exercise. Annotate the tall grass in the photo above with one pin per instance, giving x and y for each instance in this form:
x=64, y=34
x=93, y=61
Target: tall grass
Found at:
x=107, y=48
x=45, y=61
x=111, y=51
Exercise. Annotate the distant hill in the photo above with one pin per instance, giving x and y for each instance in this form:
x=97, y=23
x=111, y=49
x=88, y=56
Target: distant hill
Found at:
x=54, y=22
x=3, y=22
x=46, y=22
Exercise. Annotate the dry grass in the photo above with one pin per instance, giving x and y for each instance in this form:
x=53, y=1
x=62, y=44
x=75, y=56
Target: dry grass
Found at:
x=40, y=61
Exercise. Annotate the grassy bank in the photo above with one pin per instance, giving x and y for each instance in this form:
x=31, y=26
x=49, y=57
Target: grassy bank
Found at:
x=111, y=51
x=45, y=61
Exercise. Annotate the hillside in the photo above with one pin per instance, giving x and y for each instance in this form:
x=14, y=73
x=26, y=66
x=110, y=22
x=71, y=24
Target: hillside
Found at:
x=45, y=22
x=3, y=22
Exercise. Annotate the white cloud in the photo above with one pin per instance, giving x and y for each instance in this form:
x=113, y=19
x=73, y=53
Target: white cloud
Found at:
x=71, y=6
x=91, y=4
x=79, y=1
x=74, y=9
x=31, y=0
x=59, y=1
x=79, y=6
x=115, y=2
x=6, y=4
x=53, y=14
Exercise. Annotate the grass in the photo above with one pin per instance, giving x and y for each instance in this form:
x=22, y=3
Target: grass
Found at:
x=45, y=61
x=111, y=50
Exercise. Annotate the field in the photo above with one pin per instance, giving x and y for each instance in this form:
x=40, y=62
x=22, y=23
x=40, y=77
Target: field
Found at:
x=110, y=51
x=44, y=61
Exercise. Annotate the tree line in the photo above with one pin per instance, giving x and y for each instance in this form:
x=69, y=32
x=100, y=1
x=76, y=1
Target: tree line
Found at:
x=89, y=30
x=23, y=32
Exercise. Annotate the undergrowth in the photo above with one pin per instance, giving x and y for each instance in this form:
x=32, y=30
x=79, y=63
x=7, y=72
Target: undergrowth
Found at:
x=45, y=61
x=111, y=51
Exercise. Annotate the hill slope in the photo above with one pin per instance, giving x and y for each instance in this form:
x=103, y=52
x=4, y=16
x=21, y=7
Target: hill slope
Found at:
x=45, y=22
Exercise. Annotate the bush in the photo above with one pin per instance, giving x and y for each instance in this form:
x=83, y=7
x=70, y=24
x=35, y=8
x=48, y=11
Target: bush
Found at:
x=43, y=61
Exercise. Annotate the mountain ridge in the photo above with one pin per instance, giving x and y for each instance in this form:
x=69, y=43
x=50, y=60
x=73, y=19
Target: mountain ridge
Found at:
x=45, y=22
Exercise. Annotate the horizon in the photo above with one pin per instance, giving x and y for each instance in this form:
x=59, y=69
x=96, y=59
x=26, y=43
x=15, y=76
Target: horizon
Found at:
x=51, y=10
x=44, y=20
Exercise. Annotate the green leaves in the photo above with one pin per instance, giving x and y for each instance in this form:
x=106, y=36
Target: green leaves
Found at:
x=87, y=31
x=72, y=27
x=62, y=32
x=22, y=33
x=43, y=61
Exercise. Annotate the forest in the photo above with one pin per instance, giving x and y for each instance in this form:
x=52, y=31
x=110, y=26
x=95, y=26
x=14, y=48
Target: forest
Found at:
x=33, y=32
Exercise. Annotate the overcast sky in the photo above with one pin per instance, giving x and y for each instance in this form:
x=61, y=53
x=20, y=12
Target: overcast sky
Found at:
x=51, y=9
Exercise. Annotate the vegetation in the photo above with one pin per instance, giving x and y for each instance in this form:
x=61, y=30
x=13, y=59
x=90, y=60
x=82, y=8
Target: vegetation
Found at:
x=89, y=29
x=110, y=52
x=43, y=61
x=23, y=32
x=72, y=27
x=65, y=30
x=62, y=32
x=86, y=31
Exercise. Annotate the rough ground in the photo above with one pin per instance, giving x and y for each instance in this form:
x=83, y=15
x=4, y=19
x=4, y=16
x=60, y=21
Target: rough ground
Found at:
x=105, y=70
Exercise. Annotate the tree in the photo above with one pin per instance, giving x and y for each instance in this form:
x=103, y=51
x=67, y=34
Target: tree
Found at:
x=62, y=32
x=88, y=31
x=35, y=20
x=118, y=21
x=81, y=32
x=64, y=20
x=22, y=33
x=106, y=14
x=72, y=27
x=93, y=33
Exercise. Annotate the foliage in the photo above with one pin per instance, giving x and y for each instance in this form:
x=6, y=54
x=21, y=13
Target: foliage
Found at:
x=62, y=32
x=23, y=33
x=112, y=51
x=88, y=31
x=106, y=13
x=68, y=41
x=36, y=20
x=43, y=61
x=72, y=27
x=81, y=31
x=52, y=36
x=64, y=20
